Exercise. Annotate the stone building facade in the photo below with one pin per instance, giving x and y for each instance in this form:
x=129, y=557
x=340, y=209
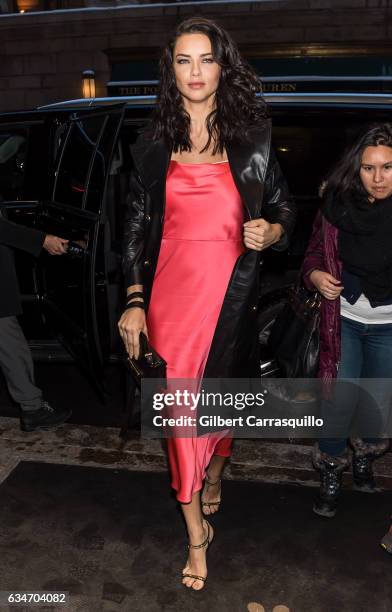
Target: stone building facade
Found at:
x=42, y=54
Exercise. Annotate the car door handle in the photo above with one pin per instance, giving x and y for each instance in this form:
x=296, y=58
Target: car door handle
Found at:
x=75, y=250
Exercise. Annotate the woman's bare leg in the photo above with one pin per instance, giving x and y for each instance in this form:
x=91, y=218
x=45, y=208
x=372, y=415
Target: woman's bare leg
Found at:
x=197, y=533
x=211, y=492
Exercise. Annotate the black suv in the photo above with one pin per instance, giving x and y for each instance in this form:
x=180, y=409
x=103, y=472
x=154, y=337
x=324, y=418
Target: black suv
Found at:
x=64, y=169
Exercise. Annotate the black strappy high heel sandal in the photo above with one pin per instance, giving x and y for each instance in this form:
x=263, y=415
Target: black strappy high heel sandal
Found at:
x=205, y=544
x=205, y=504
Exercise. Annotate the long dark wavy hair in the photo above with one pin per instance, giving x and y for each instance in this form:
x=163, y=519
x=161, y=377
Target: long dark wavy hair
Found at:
x=236, y=106
x=345, y=179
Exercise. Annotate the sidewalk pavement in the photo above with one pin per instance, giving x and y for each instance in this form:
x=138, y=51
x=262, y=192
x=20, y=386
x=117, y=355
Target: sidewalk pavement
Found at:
x=86, y=445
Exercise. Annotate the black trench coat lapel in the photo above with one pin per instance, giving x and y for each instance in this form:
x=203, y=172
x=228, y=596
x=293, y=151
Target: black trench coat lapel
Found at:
x=152, y=160
x=248, y=165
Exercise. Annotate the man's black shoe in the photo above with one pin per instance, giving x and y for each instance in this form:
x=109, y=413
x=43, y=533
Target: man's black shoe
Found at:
x=45, y=418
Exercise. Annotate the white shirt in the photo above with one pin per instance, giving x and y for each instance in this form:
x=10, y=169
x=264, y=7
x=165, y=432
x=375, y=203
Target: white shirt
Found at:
x=363, y=312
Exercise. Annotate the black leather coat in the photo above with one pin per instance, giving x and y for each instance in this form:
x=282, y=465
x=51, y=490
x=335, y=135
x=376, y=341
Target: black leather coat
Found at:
x=264, y=192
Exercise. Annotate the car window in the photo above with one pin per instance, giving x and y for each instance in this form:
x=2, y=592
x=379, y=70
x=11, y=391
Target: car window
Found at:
x=76, y=160
x=307, y=148
x=13, y=145
x=99, y=168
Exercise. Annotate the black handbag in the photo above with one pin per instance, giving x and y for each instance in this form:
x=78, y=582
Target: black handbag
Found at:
x=149, y=364
x=295, y=338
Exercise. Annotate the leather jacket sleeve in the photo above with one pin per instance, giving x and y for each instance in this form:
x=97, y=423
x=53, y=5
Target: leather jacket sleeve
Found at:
x=133, y=239
x=278, y=205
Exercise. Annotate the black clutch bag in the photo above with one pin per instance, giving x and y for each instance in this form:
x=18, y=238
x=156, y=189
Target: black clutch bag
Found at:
x=294, y=340
x=149, y=364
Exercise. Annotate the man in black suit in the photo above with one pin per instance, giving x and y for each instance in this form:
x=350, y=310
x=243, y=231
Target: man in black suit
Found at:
x=15, y=357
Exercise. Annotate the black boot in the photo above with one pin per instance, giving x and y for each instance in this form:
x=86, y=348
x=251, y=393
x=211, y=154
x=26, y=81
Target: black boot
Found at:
x=331, y=470
x=45, y=418
x=363, y=457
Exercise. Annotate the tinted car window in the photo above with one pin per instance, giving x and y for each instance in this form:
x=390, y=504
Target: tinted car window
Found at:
x=310, y=140
x=96, y=183
x=76, y=160
x=307, y=148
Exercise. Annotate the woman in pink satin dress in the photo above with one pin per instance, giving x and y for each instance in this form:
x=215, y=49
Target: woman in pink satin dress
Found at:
x=206, y=101
x=203, y=226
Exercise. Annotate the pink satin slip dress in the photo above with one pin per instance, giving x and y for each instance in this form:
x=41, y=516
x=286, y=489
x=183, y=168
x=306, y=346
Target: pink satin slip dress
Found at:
x=202, y=239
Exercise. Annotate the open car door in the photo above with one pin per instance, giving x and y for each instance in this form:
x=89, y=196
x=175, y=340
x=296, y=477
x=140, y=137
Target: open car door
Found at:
x=73, y=287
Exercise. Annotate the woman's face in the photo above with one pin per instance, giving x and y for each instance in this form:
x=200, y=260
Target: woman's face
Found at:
x=376, y=171
x=196, y=72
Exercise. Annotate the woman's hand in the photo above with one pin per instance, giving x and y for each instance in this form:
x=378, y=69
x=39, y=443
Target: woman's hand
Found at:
x=327, y=285
x=132, y=322
x=259, y=234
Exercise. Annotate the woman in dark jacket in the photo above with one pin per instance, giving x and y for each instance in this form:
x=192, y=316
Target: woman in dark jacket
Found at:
x=349, y=261
x=207, y=196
